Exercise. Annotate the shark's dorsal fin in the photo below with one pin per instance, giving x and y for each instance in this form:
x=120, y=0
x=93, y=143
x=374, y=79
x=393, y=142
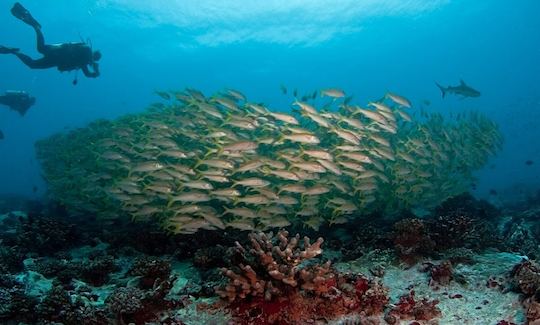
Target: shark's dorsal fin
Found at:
x=462, y=82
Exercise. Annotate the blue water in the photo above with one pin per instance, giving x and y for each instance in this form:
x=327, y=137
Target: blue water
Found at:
x=366, y=47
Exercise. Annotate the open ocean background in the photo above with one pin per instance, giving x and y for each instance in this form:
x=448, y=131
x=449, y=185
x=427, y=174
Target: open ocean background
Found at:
x=365, y=47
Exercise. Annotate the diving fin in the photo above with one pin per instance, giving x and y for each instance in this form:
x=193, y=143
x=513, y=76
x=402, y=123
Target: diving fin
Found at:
x=8, y=50
x=21, y=13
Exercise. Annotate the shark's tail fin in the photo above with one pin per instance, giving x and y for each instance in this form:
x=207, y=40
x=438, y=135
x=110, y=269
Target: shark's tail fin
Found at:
x=443, y=91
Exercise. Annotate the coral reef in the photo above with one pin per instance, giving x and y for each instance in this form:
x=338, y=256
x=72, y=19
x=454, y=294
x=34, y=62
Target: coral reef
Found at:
x=15, y=305
x=412, y=240
x=44, y=234
x=277, y=283
x=532, y=305
x=526, y=277
x=441, y=274
x=151, y=270
x=408, y=308
x=210, y=257
x=58, y=307
x=125, y=302
x=11, y=259
x=109, y=277
x=97, y=270
x=281, y=268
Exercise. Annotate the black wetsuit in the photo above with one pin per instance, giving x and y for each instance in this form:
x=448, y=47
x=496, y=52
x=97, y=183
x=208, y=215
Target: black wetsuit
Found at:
x=65, y=56
x=18, y=101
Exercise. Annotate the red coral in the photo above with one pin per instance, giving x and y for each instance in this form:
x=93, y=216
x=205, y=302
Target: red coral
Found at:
x=279, y=287
x=409, y=309
x=441, y=274
x=411, y=240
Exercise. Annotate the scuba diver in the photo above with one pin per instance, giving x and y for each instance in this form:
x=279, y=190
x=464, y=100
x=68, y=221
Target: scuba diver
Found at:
x=19, y=101
x=65, y=56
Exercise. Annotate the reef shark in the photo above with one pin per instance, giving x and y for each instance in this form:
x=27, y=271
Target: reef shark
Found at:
x=463, y=90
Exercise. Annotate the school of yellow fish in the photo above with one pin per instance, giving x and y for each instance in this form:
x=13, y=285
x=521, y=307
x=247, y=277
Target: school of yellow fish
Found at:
x=194, y=162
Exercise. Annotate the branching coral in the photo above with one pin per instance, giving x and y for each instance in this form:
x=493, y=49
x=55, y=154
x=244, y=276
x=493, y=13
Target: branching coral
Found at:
x=279, y=281
x=281, y=268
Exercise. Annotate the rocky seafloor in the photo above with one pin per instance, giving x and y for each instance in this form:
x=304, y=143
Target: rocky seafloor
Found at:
x=466, y=262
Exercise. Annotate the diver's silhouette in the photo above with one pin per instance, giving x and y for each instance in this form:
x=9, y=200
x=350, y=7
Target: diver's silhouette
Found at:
x=65, y=56
x=19, y=101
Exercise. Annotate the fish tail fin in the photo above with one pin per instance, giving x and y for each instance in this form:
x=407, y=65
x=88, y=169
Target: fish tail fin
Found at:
x=170, y=202
x=211, y=151
x=443, y=91
x=198, y=162
x=280, y=140
x=265, y=170
x=226, y=120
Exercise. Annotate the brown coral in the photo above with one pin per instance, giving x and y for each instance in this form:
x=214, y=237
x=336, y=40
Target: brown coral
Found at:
x=277, y=283
x=408, y=308
x=280, y=264
x=411, y=240
x=526, y=277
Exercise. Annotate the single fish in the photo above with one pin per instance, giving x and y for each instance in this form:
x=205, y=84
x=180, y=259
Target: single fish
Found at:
x=333, y=92
x=310, y=166
x=400, y=100
x=236, y=94
x=462, y=89
x=240, y=212
x=149, y=166
x=190, y=197
x=199, y=185
x=253, y=199
x=228, y=192
x=241, y=146
x=163, y=94
x=285, y=118
x=306, y=107
x=306, y=138
x=252, y=182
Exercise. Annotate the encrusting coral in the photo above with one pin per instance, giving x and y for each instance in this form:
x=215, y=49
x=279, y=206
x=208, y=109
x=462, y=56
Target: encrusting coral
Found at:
x=408, y=308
